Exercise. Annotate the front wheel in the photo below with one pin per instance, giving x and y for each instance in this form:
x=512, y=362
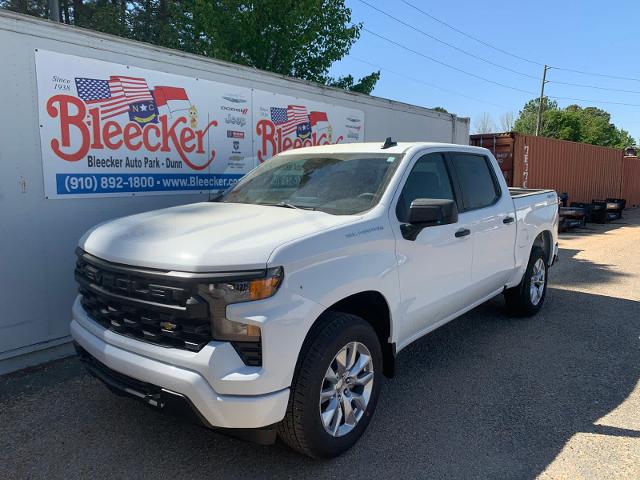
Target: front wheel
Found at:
x=527, y=298
x=335, y=388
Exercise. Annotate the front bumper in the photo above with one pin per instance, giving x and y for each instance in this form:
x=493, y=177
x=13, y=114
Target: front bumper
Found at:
x=216, y=410
x=152, y=395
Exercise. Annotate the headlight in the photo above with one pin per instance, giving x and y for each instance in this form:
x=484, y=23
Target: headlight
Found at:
x=221, y=294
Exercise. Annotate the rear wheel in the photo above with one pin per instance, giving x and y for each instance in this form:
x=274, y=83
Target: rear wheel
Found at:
x=527, y=298
x=335, y=389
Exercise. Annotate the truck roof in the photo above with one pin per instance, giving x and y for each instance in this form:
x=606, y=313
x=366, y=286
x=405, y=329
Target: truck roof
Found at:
x=376, y=147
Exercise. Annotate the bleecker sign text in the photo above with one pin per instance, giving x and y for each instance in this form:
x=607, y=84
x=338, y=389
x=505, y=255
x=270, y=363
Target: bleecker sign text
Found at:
x=164, y=137
x=273, y=140
x=108, y=129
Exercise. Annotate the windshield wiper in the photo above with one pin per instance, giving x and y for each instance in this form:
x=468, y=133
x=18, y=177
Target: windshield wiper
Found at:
x=285, y=205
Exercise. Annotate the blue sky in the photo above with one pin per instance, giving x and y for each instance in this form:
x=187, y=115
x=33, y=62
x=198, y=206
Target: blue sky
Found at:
x=588, y=35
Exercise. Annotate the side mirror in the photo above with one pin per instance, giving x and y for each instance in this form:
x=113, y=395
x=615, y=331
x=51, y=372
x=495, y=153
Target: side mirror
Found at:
x=426, y=212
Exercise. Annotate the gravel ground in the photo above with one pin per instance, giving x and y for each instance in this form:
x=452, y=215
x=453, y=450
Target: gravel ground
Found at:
x=486, y=396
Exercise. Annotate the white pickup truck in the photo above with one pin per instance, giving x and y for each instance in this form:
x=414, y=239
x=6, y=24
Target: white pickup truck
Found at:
x=279, y=305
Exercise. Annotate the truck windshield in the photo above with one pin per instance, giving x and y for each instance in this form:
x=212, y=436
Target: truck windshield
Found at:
x=340, y=184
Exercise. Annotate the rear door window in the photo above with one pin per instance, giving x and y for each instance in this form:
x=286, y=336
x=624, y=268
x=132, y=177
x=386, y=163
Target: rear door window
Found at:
x=477, y=181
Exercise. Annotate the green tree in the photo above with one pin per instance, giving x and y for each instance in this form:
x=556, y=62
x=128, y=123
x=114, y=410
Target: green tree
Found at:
x=440, y=109
x=298, y=38
x=37, y=8
x=526, y=121
x=575, y=123
x=364, y=85
x=562, y=125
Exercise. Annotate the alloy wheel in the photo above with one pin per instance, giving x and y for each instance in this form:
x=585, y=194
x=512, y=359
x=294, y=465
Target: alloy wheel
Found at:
x=536, y=290
x=346, y=389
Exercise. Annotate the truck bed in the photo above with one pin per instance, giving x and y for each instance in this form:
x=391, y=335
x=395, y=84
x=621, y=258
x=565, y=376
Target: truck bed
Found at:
x=517, y=192
x=525, y=199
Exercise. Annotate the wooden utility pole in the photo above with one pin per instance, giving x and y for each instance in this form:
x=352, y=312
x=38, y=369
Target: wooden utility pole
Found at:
x=54, y=10
x=544, y=80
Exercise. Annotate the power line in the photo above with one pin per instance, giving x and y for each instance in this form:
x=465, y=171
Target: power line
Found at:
x=428, y=84
x=594, y=87
x=393, y=42
x=471, y=36
x=477, y=57
x=446, y=64
x=524, y=59
x=489, y=61
x=595, y=101
x=616, y=77
x=413, y=79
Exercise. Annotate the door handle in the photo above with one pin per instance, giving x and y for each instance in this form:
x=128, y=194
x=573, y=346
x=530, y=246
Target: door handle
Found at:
x=463, y=232
x=507, y=220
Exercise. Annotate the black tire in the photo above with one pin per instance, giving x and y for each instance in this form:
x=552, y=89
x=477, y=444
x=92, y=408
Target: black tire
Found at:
x=302, y=428
x=518, y=298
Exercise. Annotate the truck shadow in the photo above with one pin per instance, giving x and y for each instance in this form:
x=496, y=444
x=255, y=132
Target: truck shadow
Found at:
x=501, y=396
x=574, y=271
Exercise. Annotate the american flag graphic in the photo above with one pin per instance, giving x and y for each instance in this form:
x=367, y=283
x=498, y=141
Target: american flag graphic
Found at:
x=289, y=118
x=113, y=96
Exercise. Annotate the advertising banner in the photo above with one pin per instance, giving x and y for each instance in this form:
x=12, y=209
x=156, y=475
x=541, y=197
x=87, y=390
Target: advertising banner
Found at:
x=114, y=130
x=283, y=122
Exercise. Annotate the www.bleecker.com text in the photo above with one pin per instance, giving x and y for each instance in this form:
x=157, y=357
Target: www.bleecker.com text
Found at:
x=129, y=162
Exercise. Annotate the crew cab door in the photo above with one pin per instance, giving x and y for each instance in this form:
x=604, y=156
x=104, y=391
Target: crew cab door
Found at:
x=487, y=206
x=434, y=268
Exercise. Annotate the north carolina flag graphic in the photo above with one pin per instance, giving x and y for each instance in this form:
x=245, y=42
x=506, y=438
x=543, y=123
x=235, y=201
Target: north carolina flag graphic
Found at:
x=174, y=98
x=317, y=117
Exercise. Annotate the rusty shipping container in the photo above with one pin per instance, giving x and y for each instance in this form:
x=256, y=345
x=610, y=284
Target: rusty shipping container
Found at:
x=502, y=147
x=631, y=181
x=584, y=171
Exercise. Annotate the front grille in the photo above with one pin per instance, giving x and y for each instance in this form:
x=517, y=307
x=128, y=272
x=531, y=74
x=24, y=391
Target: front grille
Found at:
x=148, y=305
x=249, y=352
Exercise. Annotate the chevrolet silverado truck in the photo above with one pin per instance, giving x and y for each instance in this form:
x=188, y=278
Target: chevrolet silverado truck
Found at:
x=277, y=307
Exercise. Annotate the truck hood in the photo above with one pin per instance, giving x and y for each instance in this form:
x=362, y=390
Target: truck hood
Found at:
x=204, y=237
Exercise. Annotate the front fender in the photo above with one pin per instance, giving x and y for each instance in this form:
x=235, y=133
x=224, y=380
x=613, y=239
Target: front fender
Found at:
x=335, y=264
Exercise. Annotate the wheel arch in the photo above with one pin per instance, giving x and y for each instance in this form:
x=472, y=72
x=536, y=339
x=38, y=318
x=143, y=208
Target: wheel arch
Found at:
x=373, y=308
x=544, y=240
